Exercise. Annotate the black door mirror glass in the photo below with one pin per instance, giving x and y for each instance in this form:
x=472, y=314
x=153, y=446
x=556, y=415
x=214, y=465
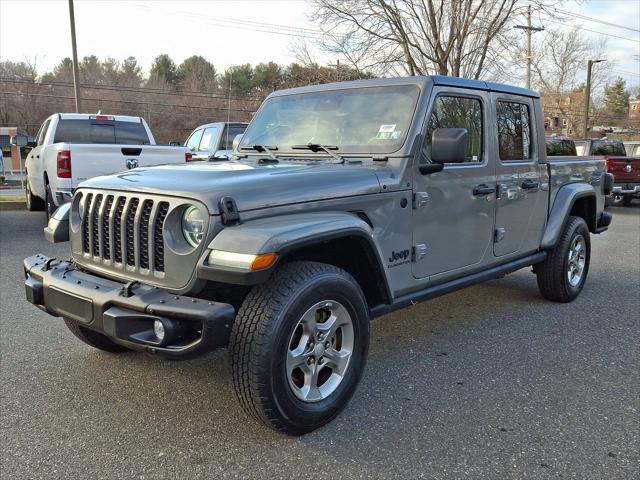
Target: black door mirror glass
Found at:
x=449, y=145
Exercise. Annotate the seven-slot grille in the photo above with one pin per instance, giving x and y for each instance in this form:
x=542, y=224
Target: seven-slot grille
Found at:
x=124, y=230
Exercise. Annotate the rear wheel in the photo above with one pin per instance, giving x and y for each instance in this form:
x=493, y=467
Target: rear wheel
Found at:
x=563, y=273
x=299, y=346
x=613, y=200
x=34, y=204
x=49, y=206
x=93, y=338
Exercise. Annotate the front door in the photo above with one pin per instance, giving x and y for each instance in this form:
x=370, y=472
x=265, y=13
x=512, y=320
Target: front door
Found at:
x=454, y=208
x=519, y=197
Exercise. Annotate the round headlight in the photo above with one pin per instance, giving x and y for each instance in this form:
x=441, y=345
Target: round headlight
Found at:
x=193, y=226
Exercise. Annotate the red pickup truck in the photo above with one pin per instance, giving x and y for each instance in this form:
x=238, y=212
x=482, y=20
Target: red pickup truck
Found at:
x=625, y=169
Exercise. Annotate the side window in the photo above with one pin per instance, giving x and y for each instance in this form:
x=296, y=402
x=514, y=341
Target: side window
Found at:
x=194, y=140
x=514, y=131
x=207, y=138
x=458, y=112
x=43, y=132
x=229, y=134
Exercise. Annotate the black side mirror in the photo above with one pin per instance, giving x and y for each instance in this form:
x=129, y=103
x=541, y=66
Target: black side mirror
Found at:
x=449, y=145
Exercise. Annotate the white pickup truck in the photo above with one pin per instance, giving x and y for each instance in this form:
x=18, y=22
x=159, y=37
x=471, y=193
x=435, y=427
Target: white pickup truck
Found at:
x=73, y=147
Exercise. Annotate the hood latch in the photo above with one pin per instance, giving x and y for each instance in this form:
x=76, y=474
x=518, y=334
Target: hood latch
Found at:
x=229, y=210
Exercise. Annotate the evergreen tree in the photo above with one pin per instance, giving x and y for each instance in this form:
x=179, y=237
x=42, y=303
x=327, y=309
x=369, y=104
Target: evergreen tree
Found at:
x=616, y=98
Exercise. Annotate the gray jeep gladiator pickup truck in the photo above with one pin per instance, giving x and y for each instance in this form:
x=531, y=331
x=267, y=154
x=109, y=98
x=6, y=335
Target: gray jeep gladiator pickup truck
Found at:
x=345, y=202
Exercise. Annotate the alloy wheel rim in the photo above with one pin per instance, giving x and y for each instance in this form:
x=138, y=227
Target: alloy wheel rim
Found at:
x=576, y=260
x=319, y=351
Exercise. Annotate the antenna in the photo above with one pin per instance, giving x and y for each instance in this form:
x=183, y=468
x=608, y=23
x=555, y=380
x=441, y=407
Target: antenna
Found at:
x=228, y=107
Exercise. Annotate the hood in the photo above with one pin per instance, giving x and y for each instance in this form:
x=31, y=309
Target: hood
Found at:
x=250, y=184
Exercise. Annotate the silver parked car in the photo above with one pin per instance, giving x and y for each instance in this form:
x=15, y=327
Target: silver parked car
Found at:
x=214, y=141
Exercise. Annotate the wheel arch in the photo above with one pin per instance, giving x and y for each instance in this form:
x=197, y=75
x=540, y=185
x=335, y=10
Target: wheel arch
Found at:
x=342, y=239
x=576, y=199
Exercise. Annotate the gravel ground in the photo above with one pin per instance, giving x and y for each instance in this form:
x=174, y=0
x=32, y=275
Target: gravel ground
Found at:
x=489, y=382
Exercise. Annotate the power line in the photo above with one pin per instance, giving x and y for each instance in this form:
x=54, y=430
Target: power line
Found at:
x=173, y=105
x=593, y=31
x=121, y=88
x=591, y=19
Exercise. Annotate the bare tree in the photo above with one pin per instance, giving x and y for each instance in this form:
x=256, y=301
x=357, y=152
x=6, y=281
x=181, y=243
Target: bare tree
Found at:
x=417, y=37
x=559, y=63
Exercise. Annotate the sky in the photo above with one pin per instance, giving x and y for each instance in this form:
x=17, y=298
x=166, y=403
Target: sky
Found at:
x=234, y=32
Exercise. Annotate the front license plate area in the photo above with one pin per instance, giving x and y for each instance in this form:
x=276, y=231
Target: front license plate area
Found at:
x=70, y=305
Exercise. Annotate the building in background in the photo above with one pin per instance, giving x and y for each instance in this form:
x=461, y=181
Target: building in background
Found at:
x=563, y=113
x=634, y=109
x=11, y=160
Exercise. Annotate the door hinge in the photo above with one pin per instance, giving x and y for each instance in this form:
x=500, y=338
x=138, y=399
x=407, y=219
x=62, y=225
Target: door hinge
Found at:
x=420, y=199
x=499, y=234
x=419, y=252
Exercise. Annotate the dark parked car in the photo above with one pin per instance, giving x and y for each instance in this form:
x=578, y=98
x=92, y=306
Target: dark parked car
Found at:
x=560, y=147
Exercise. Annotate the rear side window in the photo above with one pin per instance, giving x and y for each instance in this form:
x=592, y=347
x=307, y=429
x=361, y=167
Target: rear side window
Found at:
x=561, y=148
x=43, y=132
x=457, y=112
x=608, y=148
x=581, y=149
x=207, y=138
x=92, y=131
x=229, y=134
x=514, y=131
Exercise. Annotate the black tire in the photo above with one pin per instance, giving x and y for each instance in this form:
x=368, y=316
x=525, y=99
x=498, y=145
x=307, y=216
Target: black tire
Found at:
x=261, y=336
x=553, y=273
x=34, y=204
x=93, y=338
x=49, y=206
x=626, y=201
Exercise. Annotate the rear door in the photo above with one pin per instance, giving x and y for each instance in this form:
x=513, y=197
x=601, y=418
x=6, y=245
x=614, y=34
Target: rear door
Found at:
x=519, y=198
x=453, y=222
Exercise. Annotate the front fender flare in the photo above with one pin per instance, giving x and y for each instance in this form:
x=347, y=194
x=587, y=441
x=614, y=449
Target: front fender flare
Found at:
x=282, y=234
x=562, y=205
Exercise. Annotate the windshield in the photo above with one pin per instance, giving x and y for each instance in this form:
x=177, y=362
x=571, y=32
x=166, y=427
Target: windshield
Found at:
x=356, y=120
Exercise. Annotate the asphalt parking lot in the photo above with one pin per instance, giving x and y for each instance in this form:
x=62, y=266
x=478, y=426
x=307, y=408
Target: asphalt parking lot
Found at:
x=489, y=382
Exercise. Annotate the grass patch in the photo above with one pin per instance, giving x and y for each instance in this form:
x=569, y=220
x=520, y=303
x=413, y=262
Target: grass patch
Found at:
x=13, y=198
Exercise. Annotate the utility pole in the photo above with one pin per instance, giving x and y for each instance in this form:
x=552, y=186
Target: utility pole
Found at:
x=76, y=70
x=529, y=29
x=587, y=96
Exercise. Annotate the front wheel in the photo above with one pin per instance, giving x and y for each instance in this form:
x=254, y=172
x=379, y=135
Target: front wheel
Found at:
x=627, y=200
x=93, y=338
x=299, y=346
x=563, y=273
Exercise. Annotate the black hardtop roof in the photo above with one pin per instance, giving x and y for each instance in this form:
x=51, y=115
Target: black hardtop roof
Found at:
x=421, y=81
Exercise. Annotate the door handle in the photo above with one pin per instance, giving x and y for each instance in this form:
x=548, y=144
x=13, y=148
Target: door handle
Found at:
x=529, y=185
x=483, y=189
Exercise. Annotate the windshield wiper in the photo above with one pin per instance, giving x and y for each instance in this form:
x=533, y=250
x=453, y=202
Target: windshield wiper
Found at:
x=261, y=148
x=316, y=147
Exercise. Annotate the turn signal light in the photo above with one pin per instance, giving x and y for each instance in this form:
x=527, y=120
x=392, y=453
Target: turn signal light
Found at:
x=263, y=261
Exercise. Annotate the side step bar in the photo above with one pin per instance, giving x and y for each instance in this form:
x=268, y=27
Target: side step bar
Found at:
x=457, y=284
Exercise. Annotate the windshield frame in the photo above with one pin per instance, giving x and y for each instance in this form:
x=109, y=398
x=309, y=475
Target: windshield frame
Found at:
x=289, y=152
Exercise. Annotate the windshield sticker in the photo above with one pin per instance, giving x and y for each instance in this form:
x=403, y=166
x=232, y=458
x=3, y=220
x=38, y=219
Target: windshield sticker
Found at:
x=387, y=132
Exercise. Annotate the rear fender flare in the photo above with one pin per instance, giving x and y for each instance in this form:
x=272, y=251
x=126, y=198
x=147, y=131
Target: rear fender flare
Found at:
x=562, y=205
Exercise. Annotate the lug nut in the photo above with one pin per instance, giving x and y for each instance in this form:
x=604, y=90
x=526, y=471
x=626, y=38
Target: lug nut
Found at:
x=326, y=345
x=321, y=361
x=310, y=361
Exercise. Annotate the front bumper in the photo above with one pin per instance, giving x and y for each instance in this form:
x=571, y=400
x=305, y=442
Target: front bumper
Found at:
x=125, y=313
x=626, y=189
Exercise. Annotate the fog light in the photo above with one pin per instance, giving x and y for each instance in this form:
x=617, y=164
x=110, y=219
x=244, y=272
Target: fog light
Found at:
x=158, y=330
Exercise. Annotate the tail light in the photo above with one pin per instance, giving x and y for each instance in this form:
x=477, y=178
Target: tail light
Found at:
x=64, y=164
x=607, y=164
x=188, y=157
